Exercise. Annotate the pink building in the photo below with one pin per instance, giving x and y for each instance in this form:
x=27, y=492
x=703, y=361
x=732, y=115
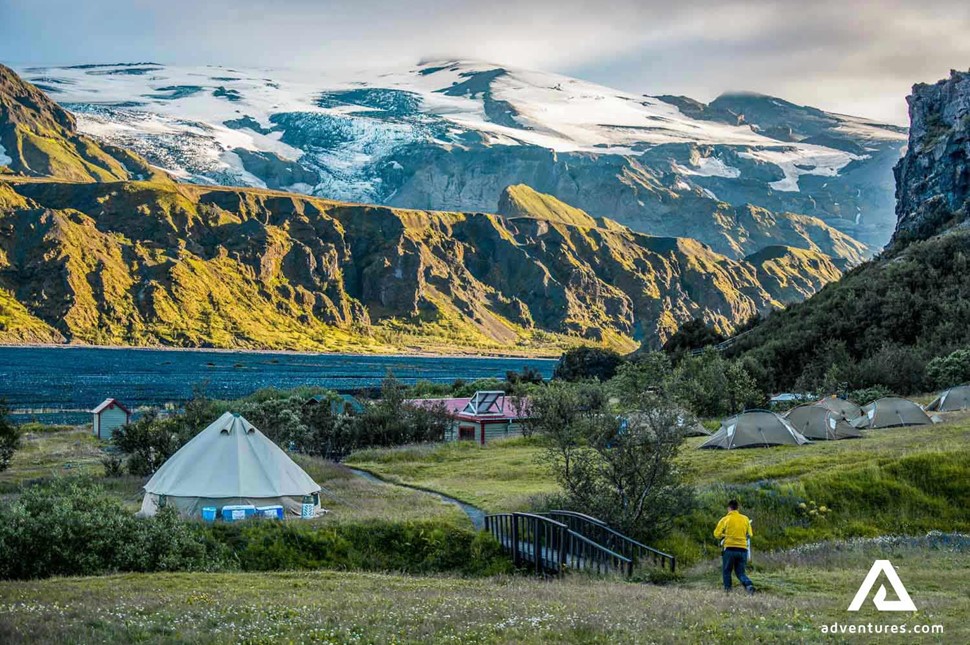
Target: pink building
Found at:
x=481, y=417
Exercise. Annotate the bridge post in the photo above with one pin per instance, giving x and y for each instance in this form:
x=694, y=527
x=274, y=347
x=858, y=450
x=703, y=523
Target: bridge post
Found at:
x=515, y=540
x=561, y=550
x=537, y=533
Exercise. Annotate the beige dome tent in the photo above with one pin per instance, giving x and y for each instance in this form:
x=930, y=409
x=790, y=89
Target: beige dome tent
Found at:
x=956, y=398
x=891, y=412
x=816, y=422
x=755, y=429
x=847, y=409
x=230, y=462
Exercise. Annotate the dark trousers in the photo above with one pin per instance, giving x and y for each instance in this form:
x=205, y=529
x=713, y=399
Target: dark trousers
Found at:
x=733, y=561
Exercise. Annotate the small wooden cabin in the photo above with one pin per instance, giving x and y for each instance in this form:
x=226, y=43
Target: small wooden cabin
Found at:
x=108, y=417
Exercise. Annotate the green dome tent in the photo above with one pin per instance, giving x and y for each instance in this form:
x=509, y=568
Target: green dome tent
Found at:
x=755, y=429
x=816, y=422
x=847, y=409
x=892, y=412
x=956, y=398
x=230, y=462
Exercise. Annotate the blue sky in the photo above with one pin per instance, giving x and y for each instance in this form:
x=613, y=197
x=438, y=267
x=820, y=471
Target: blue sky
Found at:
x=848, y=56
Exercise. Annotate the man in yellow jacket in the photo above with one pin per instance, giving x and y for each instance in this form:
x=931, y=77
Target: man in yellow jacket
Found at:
x=734, y=530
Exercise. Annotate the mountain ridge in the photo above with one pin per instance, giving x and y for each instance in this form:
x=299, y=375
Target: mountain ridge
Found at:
x=451, y=135
x=156, y=262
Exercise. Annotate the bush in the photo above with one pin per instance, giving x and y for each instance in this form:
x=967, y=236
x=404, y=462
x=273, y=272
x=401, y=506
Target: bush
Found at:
x=409, y=547
x=946, y=371
x=9, y=437
x=710, y=385
x=587, y=363
x=148, y=442
x=649, y=372
x=71, y=528
x=868, y=395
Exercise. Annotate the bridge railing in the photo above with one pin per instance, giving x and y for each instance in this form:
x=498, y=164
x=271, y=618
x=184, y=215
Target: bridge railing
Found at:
x=550, y=546
x=583, y=554
x=600, y=532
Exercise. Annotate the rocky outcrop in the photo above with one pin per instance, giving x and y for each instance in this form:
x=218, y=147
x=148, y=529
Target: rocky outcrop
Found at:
x=39, y=139
x=933, y=178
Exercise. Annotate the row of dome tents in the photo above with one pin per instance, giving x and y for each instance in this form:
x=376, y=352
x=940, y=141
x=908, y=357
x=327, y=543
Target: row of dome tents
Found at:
x=826, y=420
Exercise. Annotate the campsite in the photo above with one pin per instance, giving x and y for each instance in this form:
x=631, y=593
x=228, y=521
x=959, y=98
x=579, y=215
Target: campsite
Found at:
x=384, y=519
x=309, y=334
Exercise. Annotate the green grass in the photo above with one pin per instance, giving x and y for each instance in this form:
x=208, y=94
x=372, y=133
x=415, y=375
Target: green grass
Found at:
x=501, y=476
x=802, y=592
x=900, y=481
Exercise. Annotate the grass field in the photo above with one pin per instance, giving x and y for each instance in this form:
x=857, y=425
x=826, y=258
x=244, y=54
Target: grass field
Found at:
x=803, y=591
x=900, y=481
x=500, y=476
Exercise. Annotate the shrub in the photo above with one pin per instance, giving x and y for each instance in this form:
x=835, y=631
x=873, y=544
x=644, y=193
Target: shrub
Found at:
x=947, y=371
x=587, y=363
x=114, y=466
x=868, y=394
x=649, y=372
x=71, y=527
x=148, y=442
x=9, y=437
x=411, y=547
x=710, y=385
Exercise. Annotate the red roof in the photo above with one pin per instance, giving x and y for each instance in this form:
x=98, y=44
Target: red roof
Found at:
x=107, y=403
x=504, y=408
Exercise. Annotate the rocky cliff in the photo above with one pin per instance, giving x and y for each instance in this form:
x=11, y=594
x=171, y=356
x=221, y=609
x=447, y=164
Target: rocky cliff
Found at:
x=933, y=178
x=884, y=321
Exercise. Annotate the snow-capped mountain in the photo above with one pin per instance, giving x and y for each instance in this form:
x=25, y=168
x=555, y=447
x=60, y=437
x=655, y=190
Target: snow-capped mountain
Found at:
x=452, y=135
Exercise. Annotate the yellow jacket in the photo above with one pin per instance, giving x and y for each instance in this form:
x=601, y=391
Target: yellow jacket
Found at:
x=735, y=529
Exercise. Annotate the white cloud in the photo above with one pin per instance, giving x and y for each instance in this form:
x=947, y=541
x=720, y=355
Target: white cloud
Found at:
x=847, y=55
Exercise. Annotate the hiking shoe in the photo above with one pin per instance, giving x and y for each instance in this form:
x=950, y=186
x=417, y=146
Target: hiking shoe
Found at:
x=750, y=591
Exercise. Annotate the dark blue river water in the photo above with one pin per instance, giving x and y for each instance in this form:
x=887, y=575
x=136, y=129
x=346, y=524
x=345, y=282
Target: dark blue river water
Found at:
x=58, y=385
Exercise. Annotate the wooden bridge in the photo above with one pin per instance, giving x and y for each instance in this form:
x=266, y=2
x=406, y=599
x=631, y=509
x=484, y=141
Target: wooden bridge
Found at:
x=558, y=541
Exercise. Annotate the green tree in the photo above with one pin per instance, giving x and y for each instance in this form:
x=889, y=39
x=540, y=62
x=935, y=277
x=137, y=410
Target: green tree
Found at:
x=710, y=385
x=9, y=437
x=648, y=373
x=947, y=371
x=694, y=334
x=147, y=442
x=587, y=363
x=621, y=470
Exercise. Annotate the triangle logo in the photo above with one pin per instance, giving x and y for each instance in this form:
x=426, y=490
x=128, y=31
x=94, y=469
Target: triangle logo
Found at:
x=904, y=602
